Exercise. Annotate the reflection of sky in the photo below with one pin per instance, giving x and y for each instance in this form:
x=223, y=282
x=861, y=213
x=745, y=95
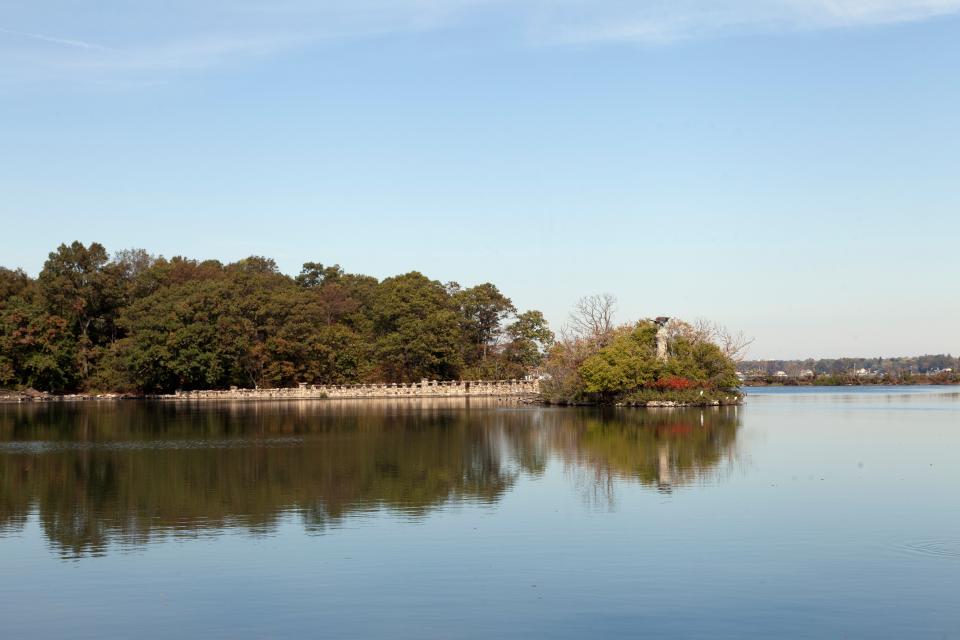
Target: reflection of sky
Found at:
x=816, y=533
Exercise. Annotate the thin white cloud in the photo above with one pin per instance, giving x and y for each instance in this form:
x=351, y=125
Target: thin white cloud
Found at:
x=663, y=22
x=186, y=54
x=192, y=34
x=169, y=35
x=80, y=44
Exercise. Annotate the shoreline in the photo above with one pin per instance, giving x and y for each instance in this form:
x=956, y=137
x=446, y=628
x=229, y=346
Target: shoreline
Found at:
x=208, y=397
x=651, y=404
x=528, y=390
x=404, y=392
x=117, y=397
x=918, y=383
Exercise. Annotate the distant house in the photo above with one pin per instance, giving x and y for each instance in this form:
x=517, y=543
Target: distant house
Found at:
x=807, y=373
x=780, y=374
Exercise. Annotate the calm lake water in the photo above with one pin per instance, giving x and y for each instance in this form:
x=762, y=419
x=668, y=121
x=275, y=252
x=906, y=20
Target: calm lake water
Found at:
x=828, y=513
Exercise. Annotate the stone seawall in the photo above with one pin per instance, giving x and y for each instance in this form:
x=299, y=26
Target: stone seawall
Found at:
x=422, y=389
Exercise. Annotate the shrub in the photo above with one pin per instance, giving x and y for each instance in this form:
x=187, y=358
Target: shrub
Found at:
x=673, y=383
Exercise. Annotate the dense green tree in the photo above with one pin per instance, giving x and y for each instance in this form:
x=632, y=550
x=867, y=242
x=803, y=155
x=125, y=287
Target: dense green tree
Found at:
x=75, y=286
x=191, y=336
x=417, y=329
x=148, y=323
x=529, y=338
x=703, y=362
x=78, y=285
x=132, y=274
x=629, y=361
x=180, y=270
x=12, y=282
x=314, y=345
x=482, y=311
x=37, y=349
x=314, y=274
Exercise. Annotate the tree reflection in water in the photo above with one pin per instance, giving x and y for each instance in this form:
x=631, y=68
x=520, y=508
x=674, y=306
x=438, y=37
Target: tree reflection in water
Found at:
x=660, y=448
x=126, y=473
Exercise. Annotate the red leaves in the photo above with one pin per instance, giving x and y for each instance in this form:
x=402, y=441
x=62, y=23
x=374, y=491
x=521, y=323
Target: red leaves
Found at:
x=673, y=383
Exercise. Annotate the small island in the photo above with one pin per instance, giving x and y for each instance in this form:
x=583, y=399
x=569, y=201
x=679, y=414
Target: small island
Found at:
x=661, y=362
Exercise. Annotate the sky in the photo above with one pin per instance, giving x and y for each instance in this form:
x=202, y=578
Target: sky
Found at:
x=788, y=168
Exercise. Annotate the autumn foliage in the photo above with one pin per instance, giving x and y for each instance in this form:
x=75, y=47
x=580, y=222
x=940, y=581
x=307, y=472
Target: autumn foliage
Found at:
x=673, y=383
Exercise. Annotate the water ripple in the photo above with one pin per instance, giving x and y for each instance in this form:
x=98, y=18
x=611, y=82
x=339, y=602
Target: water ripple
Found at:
x=935, y=548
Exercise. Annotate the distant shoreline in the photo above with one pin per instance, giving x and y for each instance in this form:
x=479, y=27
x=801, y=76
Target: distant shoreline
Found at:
x=853, y=383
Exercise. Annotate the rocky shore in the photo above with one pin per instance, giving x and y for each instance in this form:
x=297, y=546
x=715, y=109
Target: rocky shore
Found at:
x=32, y=395
x=656, y=404
x=650, y=404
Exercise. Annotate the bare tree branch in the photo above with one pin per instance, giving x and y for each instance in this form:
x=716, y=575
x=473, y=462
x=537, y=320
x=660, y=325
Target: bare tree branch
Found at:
x=734, y=345
x=592, y=317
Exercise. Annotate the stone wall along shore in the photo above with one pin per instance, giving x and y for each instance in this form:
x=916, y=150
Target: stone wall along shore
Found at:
x=422, y=389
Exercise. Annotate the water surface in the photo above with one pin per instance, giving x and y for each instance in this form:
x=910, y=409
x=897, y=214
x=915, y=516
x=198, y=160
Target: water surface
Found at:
x=808, y=513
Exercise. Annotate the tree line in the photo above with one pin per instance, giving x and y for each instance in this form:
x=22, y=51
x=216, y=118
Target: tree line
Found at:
x=143, y=323
x=925, y=364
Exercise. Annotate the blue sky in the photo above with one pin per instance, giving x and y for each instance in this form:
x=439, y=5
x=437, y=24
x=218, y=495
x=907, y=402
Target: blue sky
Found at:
x=790, y=168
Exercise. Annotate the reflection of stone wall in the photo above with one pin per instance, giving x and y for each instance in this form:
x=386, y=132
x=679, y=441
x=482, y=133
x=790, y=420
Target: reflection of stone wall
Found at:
x=423, y=389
